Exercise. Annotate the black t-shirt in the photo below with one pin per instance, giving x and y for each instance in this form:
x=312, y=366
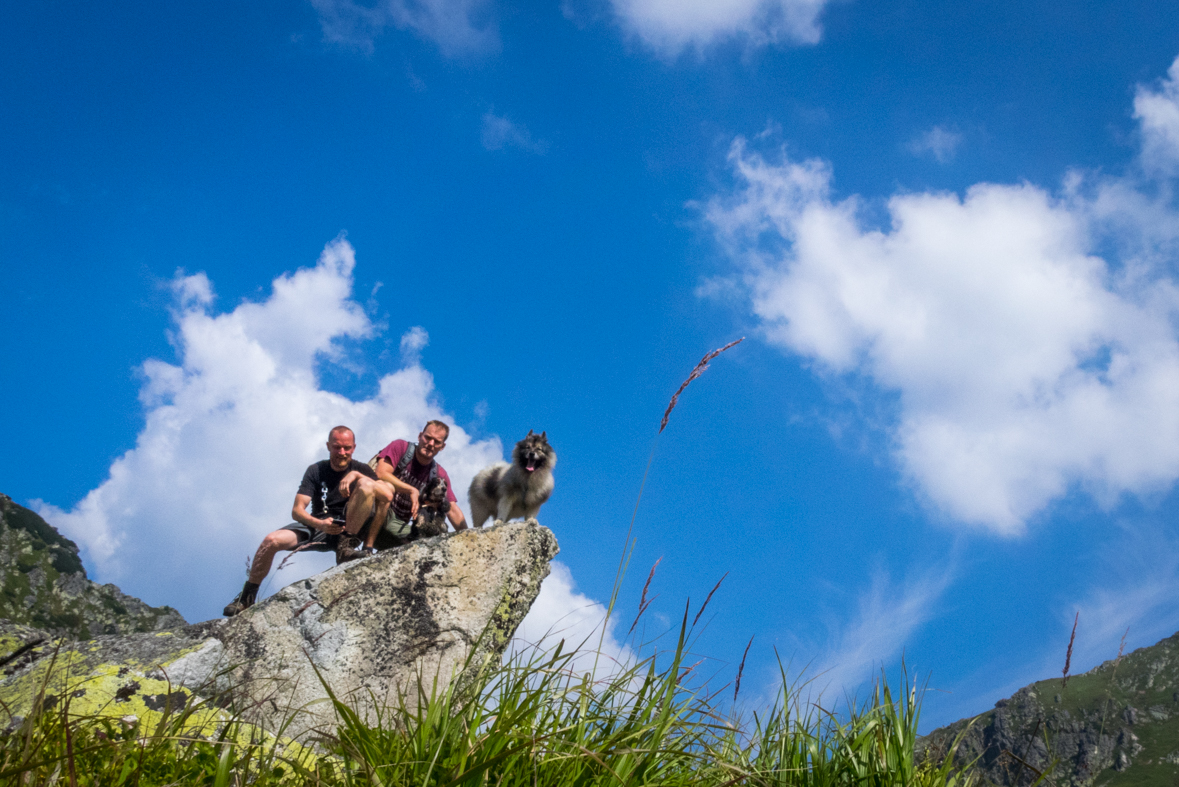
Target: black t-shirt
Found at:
x=321, y=483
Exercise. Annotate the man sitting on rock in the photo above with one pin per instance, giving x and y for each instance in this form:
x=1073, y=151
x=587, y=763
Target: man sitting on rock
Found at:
x=345, y=495
x=408, y=467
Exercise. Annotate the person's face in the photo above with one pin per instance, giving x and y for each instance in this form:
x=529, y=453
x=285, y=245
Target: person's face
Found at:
x=340, y=446
x=430, y=442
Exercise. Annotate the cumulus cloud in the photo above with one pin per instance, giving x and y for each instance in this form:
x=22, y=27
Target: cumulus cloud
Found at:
x=939, y=142
x=500, y=132
x=1022, y=362
x=669, y=26
x=457, y=27
x=1158, y=113
x=229, y=430
x=413, y=342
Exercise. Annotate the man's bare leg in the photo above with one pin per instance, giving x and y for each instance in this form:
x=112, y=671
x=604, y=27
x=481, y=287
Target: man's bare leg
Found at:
x=380, y=514
x=363, y=501
x=278, y=541
x=369, y=501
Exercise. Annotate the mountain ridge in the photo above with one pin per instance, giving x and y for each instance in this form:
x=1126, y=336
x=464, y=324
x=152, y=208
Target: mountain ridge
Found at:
x=43, y=584
x=1116, y=725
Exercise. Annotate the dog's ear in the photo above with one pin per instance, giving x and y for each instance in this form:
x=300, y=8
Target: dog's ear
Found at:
x=529, y=433
x=542, y=437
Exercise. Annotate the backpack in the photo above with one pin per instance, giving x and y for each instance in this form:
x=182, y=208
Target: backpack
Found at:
x=403, y=463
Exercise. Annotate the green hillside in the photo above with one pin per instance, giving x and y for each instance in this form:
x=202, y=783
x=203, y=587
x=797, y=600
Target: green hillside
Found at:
x=43, y=584
x=1115, y=726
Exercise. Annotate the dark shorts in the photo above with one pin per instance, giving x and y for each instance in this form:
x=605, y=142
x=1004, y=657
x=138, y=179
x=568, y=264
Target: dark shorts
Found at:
x=312, y=540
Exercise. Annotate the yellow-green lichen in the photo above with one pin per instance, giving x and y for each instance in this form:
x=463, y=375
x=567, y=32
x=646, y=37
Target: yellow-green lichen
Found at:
x=10, y=645
x=119, y=691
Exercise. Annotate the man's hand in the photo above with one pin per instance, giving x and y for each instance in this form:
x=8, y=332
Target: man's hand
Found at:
x=348, y=483
x=329, y=526
x=413, y=502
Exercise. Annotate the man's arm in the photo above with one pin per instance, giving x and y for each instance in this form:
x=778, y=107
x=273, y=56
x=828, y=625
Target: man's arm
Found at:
x=455, y=515
x=299, y=514
x=348, y=482
x=385, y=473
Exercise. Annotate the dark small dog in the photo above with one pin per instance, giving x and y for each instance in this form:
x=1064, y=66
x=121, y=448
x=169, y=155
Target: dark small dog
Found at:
x=432, y=508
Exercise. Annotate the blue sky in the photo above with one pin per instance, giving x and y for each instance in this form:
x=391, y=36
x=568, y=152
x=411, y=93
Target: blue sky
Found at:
x=948, y=232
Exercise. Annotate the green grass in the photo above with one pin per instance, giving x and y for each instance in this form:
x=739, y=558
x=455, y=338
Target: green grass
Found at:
x=529, y=721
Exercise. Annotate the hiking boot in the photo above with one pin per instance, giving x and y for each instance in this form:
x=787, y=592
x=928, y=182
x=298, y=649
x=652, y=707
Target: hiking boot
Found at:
x=243, y=601
x=349, y=549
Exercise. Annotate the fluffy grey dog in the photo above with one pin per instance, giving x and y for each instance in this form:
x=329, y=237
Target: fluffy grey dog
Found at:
x=432, y=508
x=506, y=491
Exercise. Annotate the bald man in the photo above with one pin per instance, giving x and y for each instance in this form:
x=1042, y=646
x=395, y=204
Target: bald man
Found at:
x=344, y=496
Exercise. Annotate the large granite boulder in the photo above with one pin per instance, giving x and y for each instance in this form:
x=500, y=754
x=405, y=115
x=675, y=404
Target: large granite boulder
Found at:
x=374, y=630
x=43, y=584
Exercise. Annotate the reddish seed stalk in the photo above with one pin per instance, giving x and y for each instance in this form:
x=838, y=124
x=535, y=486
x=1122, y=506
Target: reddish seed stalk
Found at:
x=699, y=370
x=741, y=669
x=1122, y=647
x=1068, y=656
x=643, y=602
x=705, y=605
x=292, y=553
x=687, y=671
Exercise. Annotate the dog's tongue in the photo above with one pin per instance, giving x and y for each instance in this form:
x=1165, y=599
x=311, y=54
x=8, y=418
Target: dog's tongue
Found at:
x=530, y=468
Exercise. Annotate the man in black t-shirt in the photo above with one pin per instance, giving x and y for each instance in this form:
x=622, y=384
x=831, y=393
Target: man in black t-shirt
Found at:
x=344, y=496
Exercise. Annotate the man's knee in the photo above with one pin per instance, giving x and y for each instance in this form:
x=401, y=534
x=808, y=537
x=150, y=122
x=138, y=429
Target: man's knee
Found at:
x=382, y=492
x=279, y=540
x=370, y=493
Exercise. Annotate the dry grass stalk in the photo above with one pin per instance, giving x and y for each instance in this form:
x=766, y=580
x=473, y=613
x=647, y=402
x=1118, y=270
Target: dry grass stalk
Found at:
x=706, y=600
x=1068, y=656
x=295, y=551
x=699, y=370
x=643, y=601
x=741, y=669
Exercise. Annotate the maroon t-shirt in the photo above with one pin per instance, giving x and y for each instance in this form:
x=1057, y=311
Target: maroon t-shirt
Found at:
x=414, y=474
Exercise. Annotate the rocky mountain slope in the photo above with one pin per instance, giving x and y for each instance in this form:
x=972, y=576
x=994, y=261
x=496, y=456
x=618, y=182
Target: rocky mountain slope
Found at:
x=43, y=584
x=1115, y=726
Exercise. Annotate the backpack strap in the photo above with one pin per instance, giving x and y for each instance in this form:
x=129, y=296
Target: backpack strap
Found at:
x=405, y=459
x=403, y=462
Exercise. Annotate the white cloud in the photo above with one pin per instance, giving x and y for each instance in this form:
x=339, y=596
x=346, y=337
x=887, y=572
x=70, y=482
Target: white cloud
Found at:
x=1022, y=363
x=561, y=613
x=500, y=132
x=413, y=342
x=230, y=429
x=669, y=26
x=457, y=27
x=939, y=142
x=886, y=619
x=1138, y=596
x=1158, y=113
